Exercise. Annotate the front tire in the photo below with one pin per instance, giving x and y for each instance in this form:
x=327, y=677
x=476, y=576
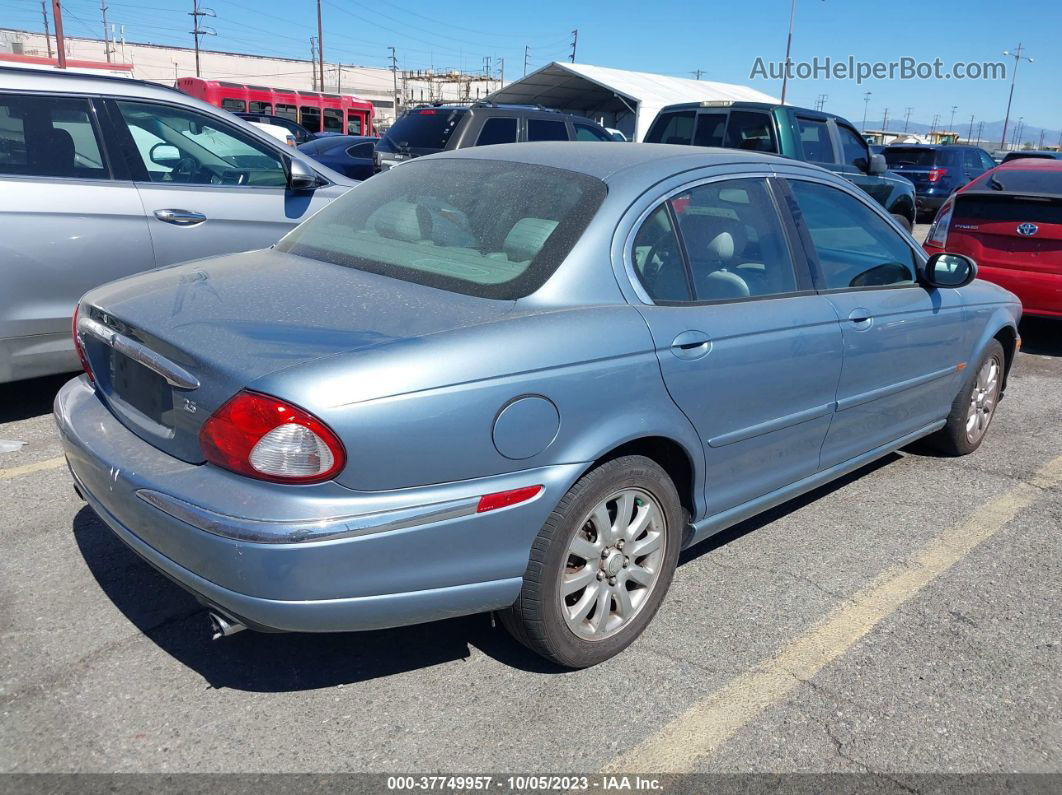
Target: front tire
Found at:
x=974, y=406
x=903, y=221
x=601, y=564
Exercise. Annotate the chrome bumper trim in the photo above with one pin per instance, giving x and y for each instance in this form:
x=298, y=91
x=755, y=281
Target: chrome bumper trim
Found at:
x=294, y=531
x=175, y=375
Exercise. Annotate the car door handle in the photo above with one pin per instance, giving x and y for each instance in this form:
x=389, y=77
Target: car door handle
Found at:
x=691, y=345
x=180, y=217
x=861, y=318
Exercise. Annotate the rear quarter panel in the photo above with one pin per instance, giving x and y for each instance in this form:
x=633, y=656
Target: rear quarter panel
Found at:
x=423, y=411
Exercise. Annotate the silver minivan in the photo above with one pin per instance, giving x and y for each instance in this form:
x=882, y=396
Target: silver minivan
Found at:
x=103, y=177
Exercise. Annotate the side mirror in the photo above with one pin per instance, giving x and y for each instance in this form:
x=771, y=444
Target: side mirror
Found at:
x=301, y=177
x=166, y=155
x=877, y=165
x=949, y=270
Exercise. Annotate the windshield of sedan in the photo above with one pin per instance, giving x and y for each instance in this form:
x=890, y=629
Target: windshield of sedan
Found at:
x=487, y=228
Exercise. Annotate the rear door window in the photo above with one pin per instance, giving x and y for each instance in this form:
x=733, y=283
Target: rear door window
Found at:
x=261, y=107
x=584, y=132
x=815, y=140
x=353, y=123
x=234, y=105
x=498, y=130
x=750, y=130
x=673, y=128
x=287, y=112
x=49, y=137
x=546, y=130
x=710, y=129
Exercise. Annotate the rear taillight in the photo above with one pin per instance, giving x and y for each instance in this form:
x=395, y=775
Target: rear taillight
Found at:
x=937, y=174
x=267, y=438
x=79, y=347
x=938, y=232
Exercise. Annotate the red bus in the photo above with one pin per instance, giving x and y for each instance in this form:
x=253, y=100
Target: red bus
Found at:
x=315, y=111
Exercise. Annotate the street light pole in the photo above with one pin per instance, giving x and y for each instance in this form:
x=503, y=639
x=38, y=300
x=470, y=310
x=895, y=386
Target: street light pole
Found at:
x=866, y=105
x=1017, y=56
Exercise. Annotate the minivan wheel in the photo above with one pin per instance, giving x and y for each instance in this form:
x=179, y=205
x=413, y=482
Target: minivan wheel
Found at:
x=974, y=406
x=601, y=564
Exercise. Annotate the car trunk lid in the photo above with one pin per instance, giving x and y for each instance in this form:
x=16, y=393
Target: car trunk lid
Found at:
x=168, y=347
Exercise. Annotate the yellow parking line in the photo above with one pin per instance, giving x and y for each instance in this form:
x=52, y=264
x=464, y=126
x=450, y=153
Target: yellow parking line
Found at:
x=40, y=466
x=705, y=726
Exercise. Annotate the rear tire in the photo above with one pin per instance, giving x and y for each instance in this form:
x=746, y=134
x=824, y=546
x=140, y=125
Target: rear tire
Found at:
x=903, y=221
x=974, y=406
x=601, y=564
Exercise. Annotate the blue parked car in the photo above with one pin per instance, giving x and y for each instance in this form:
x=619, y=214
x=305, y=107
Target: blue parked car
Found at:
x=520, y=379
x=350, y=155
x=937, y=170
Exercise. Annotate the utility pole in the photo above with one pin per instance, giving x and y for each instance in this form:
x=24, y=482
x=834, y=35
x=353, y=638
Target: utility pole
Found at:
x=788, y=48
x=198, y=31
x=906, y=118
x=936, y=121
x=866, y=105
x=820, y=101
x=527, y=52
x=951, y=122
x=969, y=135
x=394, y=75
x=60, y=42
x=106, y=32
x=885, y=121
x=575, y=41
x=501, y=70
x=1017, y=56
x=47, y=33
x=320, y=47
x=697, y=73
x=313, y=63
x=1041, y=146
x=980, y=130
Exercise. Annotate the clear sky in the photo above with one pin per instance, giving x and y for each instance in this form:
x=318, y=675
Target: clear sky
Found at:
x=721, y=38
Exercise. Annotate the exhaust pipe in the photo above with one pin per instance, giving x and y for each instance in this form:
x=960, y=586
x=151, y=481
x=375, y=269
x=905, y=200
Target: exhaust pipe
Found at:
x=222, y=626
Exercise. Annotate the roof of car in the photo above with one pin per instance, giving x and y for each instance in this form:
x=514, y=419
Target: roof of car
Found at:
x=604, y=159
x=81, y=82
x=1031, y=164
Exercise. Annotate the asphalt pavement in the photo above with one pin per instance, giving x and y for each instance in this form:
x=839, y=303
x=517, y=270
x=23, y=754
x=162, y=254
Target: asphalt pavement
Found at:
x=904, y=619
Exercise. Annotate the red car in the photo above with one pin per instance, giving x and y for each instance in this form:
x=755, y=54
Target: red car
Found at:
x=1009, y=220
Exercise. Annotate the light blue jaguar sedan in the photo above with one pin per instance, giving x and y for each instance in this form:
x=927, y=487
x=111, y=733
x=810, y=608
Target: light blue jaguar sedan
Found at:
x=520, y=379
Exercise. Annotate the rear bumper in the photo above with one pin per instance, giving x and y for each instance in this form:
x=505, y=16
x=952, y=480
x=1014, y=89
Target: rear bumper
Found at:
x=398, y=573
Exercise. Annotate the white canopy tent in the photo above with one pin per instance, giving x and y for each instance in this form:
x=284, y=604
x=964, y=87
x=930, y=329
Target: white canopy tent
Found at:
x=628, y=101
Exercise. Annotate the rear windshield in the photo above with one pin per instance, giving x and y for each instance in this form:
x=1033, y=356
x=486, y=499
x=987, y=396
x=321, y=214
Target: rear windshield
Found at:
x=486, y=228
x=423, y=128
x=996, y=208
x=1016, y=180
x=899, y=156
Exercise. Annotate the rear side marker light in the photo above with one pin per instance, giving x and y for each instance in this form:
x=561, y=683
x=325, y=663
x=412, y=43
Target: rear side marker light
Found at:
x=503, y=499
x=263, y=437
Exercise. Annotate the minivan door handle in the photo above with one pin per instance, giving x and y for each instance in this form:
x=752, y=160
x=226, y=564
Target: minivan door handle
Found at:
x=691, y=345
x=180, y=217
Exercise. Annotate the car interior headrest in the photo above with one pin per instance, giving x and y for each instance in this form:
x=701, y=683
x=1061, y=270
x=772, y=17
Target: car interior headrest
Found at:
x=527, y=237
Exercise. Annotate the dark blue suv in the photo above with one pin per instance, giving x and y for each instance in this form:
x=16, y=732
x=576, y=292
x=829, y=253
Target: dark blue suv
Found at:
x=937, y=170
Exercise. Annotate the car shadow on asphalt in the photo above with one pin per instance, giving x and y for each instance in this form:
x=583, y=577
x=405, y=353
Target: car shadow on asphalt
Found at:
x=1041, y=336
x=264, y=662
x=21, y=400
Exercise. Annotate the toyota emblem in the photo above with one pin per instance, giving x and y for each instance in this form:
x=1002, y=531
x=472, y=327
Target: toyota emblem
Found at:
x=1027, y=230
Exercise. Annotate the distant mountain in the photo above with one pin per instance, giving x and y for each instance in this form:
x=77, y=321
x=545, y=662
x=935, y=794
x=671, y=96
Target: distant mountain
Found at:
x=990, y=134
